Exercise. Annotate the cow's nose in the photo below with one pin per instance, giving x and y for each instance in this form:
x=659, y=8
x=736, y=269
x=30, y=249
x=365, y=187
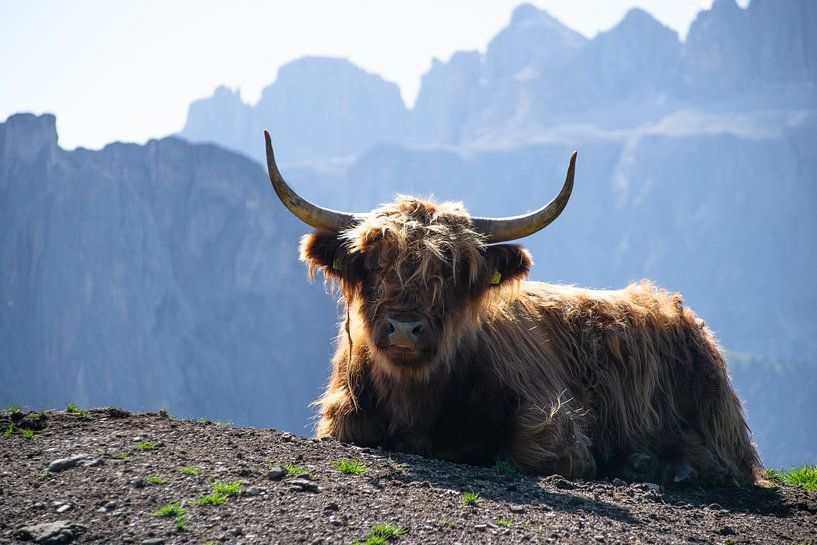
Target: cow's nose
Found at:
x=404, y=332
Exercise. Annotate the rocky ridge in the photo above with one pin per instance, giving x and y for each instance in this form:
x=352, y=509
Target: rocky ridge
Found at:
x=107, y=476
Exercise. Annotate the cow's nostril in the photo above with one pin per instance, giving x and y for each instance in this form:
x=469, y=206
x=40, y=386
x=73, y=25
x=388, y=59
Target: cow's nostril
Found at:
x=391, y=327
x=417, y=330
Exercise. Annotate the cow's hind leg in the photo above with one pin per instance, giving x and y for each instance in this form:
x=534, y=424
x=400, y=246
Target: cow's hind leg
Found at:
x=690, y=460
x=549, y=441
x=634, y=465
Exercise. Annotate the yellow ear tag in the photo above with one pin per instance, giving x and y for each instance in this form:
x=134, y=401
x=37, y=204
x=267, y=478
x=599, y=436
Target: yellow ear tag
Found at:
x=336, y=264
x=496, y=276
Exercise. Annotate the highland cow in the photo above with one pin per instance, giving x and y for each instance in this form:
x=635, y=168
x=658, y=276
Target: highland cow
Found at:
x=447, y=351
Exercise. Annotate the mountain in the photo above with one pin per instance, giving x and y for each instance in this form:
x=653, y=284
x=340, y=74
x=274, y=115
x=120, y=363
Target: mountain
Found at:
x=536, y=72
x=149, y=276
x=769, y=46
x=348, y=111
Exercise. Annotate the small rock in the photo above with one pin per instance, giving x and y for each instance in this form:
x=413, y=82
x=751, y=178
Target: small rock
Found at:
x=153, y=541
x=63, y=508
x=66, y=463
x=276, y=473
x=652, y=486
x=236, y=531
x=331, y=506
x=715, y=506
x=481, y=527
x=51, y=533
x=286, y=437
x=253, y=491
x=113, y=412
x=303, y=485
x=564, y=484
x=517, y=509
x=727, y=531
x=618, y=482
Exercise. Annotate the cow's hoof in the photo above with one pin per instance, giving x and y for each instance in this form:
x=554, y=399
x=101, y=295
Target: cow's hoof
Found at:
x=640, y=462
x=685, y=475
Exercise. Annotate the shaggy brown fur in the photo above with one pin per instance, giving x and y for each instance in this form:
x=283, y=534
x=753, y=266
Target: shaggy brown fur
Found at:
x=554, y=379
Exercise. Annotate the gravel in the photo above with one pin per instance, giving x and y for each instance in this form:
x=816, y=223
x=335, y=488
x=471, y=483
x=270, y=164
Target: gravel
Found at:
x=114, y=501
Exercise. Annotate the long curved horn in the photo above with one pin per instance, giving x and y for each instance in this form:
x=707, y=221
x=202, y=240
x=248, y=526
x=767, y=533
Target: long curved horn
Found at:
x=311, y=214
x=512, y=228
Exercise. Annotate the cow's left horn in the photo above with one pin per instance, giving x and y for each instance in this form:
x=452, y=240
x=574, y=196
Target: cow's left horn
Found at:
x=512, y=228
x=311, y=214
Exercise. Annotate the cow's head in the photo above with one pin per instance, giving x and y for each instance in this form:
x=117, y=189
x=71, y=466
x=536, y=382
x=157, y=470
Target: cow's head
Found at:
x=414, y=272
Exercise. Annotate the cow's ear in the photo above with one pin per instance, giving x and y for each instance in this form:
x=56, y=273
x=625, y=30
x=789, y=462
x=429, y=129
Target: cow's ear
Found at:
x=324, y=250
x=508, y=262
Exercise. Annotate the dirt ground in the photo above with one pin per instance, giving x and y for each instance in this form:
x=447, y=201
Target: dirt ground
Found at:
x=122, y=468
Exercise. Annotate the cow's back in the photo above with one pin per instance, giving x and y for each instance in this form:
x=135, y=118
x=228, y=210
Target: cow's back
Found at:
x=635, y=366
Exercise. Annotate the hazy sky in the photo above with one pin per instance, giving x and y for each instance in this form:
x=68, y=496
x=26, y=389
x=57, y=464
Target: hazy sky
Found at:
x=127, y=70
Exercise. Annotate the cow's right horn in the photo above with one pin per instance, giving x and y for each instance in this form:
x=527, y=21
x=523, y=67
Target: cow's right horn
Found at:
x=311, y=214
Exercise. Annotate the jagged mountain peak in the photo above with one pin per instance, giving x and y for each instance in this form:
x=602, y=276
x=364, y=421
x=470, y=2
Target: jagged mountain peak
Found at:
x=527, y=19
x=27, y=135
x=637, y=19
x=725, y=6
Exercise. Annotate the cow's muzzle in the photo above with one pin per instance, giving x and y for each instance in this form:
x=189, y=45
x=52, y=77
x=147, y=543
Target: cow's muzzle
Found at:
x=404, y=334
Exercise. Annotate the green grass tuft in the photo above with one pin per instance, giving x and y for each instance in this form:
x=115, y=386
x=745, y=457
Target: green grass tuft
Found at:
x=181, y=523
x=76, y=411
x=189, y=470
x=145, y=445
x=803, y=477
x=210, y=499
x=294, y=470
x=226, y=489
x=382, y=534
x=155, y=479
x=119, y=455
x=471, y=498
x=9, y=431
x=176, y=511
x=221, y=491
x=351, y=467
x=28, y=434
x=387, y=531
x=170, y=510
x=504, y=523
x=11, y=409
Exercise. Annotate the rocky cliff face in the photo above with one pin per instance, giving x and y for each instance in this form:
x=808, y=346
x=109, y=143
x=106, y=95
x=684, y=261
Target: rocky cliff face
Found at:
x=768, y=47
x=535, y=73
x=325, y=107
x=147, y=276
